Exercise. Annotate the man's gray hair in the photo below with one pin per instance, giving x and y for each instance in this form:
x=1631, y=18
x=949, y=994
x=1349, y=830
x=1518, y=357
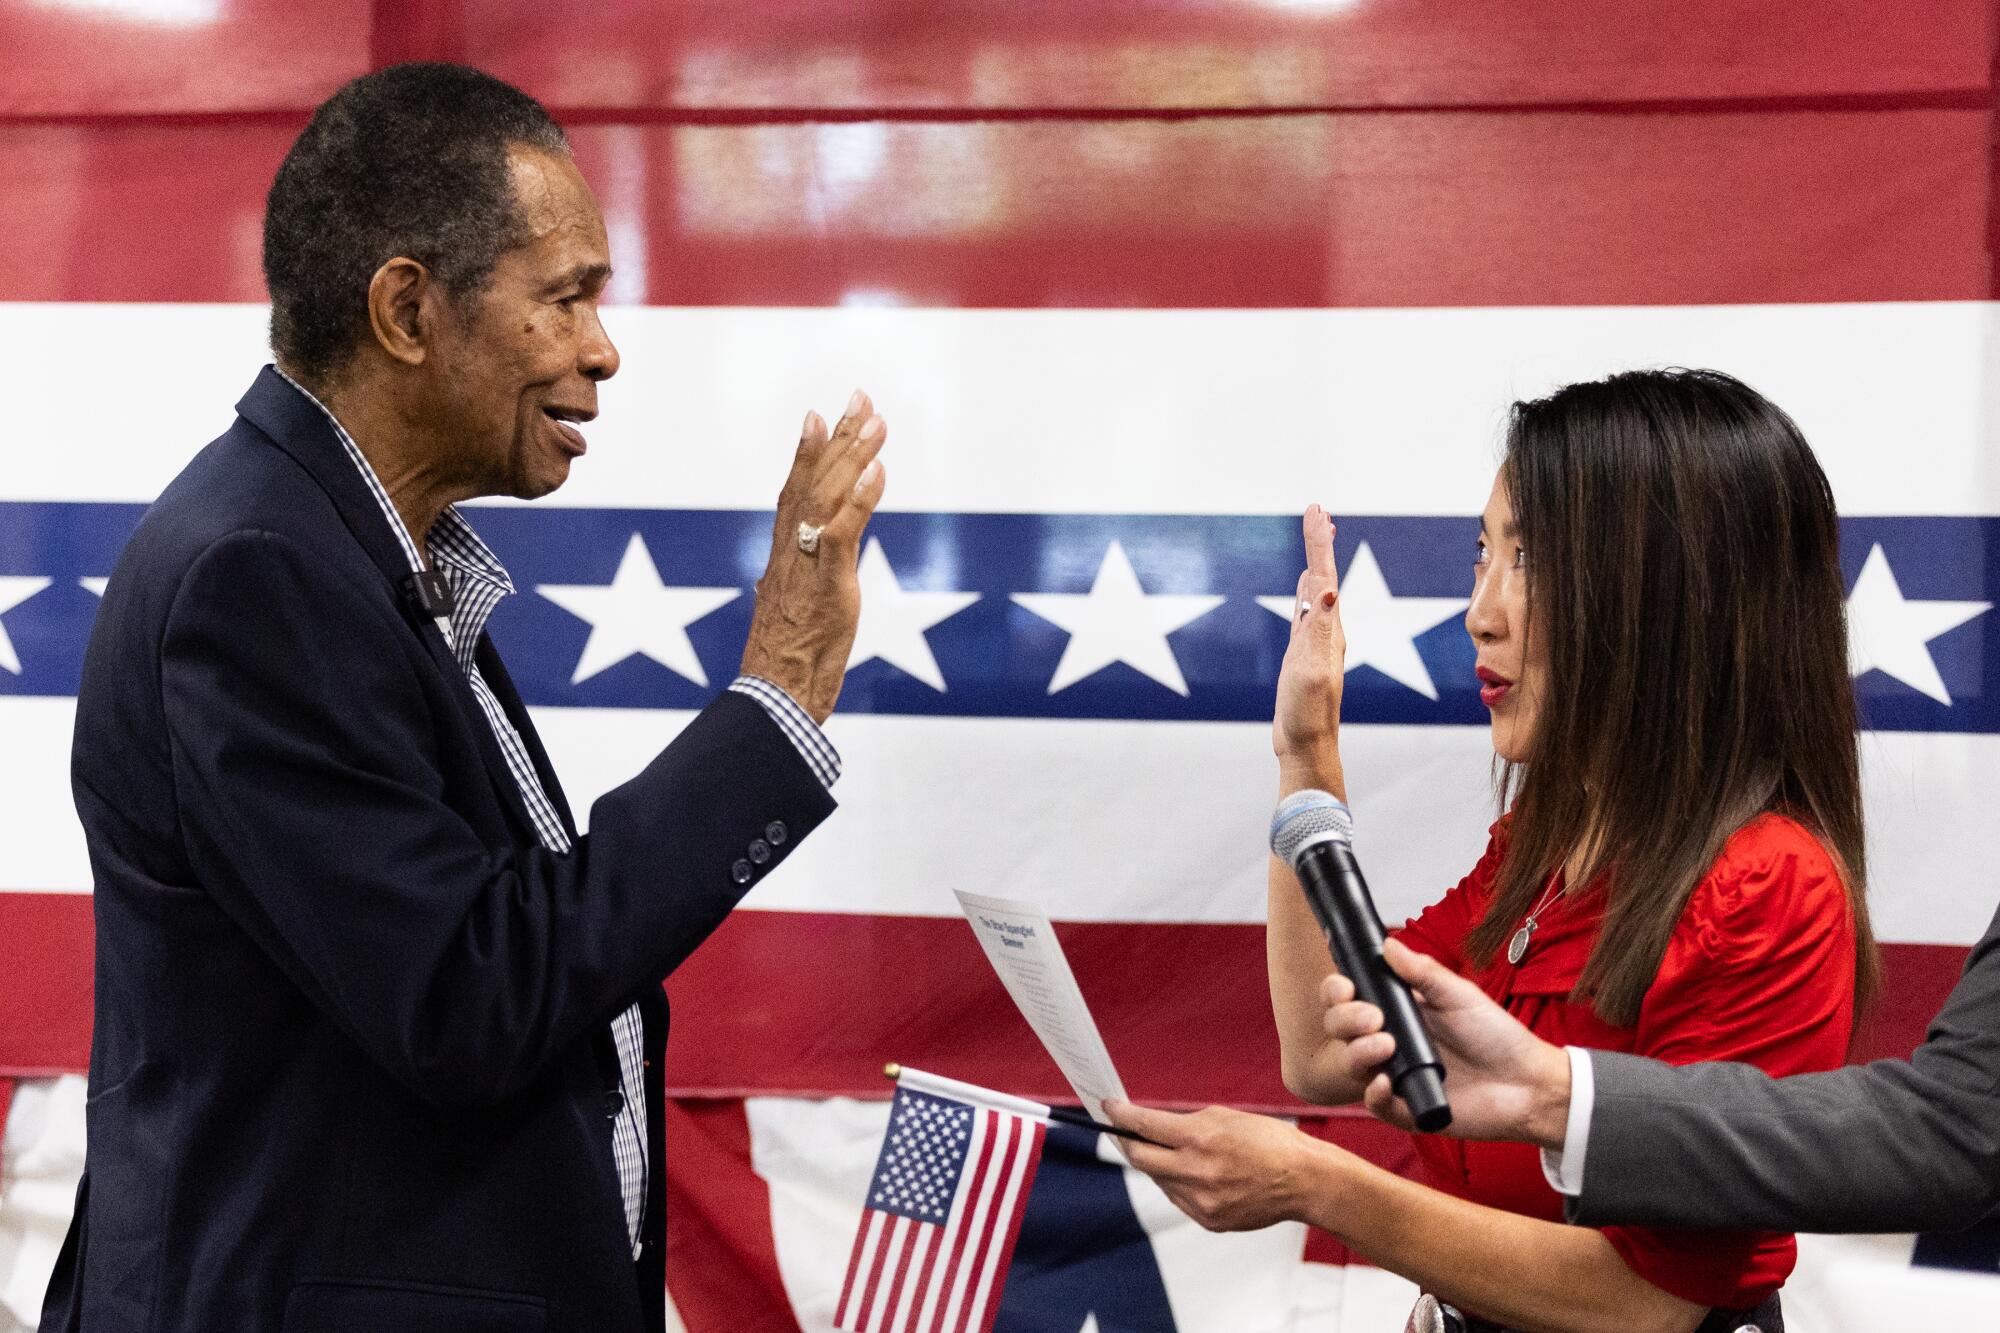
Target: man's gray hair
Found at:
x=409, y=161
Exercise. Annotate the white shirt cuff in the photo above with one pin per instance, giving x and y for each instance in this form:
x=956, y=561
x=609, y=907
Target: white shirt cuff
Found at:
x=797, y=724
x=1564, y=1169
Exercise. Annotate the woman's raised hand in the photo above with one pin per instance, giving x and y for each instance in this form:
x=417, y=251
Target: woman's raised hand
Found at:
x=1306, y=727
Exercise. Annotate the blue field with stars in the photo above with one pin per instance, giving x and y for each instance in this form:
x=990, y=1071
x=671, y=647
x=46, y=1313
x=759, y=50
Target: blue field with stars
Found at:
x=1035, y=615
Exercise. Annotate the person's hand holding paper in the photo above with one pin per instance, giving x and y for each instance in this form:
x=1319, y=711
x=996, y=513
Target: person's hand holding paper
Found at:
x=1021, y=944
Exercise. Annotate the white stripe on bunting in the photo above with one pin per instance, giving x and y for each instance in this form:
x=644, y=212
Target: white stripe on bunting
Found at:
x=1176, y=833
x=1369, y=411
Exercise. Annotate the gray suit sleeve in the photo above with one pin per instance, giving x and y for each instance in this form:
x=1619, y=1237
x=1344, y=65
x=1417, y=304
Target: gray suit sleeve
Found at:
x=1897, y=1145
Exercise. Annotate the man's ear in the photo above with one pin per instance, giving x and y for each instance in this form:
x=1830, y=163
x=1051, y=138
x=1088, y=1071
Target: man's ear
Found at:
x=397, y=309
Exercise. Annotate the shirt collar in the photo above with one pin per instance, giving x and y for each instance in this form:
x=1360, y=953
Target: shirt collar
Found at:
x=454, y=546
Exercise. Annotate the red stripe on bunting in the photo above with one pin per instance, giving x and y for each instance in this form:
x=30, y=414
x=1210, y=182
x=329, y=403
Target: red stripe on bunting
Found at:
x=48, y=948
x=6, y=1104
x=816, y=1002
x=722, y=1262
x=812, y=1004
x=805, y=1003
x=1351, y=209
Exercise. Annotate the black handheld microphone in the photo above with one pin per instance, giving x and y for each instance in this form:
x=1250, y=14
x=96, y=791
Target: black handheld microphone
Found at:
x=1313, y=833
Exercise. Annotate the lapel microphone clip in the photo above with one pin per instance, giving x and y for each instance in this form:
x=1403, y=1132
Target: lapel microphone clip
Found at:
x=429, y=593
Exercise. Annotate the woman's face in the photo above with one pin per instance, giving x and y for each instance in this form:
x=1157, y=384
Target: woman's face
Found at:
x=1512, y=665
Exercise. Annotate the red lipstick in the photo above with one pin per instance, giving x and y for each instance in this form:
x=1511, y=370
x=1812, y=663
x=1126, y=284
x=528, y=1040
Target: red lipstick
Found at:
x=1493, y=686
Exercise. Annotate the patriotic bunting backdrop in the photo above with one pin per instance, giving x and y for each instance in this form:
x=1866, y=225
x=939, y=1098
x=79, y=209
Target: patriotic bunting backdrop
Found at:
x=1133, y=285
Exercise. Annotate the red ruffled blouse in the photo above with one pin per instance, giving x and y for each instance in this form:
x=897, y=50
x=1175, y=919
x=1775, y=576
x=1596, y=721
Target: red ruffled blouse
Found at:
x=1760, y=969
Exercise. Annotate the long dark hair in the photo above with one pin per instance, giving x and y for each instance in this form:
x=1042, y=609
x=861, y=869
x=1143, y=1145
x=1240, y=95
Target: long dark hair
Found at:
x=1684, y=565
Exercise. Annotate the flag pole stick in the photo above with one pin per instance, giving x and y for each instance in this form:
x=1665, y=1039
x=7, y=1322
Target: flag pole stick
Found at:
x=1061, y=1115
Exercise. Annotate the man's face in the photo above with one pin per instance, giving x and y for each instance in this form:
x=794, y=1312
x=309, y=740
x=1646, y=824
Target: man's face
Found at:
x=517, y=365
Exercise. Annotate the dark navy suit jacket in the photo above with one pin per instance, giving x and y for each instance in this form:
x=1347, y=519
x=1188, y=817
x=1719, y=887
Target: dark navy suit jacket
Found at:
x=351, y=1067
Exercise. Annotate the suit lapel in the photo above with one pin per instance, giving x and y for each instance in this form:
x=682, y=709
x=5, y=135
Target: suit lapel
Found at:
x=651, y=1000
x=299, y=428
x=504, y=783
x=295, y=425
x=487, y=658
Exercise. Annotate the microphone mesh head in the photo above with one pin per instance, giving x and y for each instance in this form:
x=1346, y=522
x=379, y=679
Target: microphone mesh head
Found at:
x=1308, y=817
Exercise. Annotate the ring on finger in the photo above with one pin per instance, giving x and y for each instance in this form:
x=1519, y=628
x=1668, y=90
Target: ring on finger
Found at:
x=1305, y=608
x=809, y=538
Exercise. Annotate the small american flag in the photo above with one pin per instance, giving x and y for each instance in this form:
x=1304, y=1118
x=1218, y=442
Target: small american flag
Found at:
x=944, y=1207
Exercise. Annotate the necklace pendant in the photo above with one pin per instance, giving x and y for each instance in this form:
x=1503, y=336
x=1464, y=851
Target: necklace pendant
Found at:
x=1517, y=948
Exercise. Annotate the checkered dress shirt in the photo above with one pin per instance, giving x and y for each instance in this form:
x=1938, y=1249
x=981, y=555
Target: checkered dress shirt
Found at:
x=478, y=582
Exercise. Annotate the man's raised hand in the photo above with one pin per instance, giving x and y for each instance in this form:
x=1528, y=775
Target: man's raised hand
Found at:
x=809, y=601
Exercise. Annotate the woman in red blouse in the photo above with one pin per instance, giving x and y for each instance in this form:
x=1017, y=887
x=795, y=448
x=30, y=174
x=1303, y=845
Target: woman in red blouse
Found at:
x=1658, y=616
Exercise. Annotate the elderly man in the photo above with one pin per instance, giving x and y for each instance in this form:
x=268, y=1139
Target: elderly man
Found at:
x=379, y=1033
